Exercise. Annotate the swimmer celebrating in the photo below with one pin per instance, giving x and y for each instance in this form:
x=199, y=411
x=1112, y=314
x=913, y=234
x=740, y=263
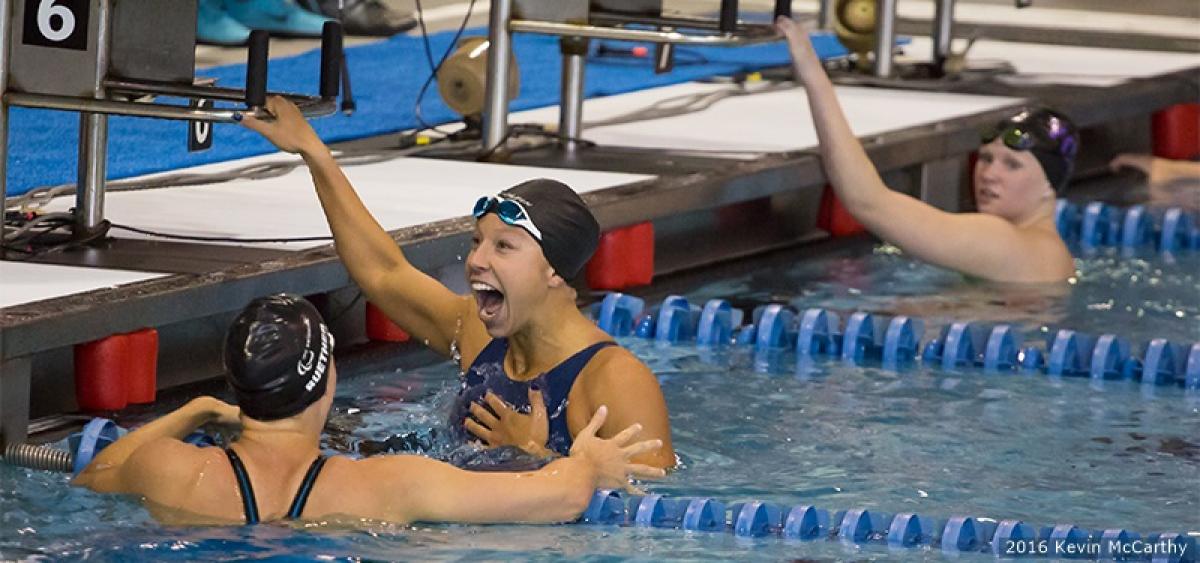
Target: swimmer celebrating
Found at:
x=1022, y=165
x=535, y=368
x=278, y=357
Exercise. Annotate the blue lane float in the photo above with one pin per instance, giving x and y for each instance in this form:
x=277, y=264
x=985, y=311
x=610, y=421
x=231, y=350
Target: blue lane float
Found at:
x=1069, y=354
x=902, y=342
x=1066, y=219
x=818, y=334
x=717, y=322
x=1003, y=349
x=1111, y=359
x=1100, y=225
x=1176, y=232
x=803, y=522
x=776, y=327
x=893, y=343
x=1192, y=369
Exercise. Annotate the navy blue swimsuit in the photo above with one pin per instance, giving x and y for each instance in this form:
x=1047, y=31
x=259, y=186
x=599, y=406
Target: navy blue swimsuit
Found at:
x=250, y=504
x=487, y=374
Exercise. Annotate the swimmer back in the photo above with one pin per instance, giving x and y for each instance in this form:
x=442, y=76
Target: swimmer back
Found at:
x=246, y=490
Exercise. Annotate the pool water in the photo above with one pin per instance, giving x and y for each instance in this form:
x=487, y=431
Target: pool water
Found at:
x=1045, y=450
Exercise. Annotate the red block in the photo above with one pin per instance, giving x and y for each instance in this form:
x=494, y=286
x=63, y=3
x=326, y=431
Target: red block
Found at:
x=381, y=328
x=834, y=217
x=624, y=259
x=1177, y=132
x=141, y=376
x=99, y=383
x=115, y=371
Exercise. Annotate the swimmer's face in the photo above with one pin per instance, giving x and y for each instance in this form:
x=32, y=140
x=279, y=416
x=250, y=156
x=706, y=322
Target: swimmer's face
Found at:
x=509, y=275
x=1009, y=184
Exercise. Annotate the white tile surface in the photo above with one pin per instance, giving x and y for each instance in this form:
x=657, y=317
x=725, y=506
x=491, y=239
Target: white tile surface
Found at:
x=22, y=282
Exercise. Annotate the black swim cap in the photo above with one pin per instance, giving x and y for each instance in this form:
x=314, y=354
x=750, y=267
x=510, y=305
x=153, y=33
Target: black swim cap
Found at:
x=277, y=355
x=570, y=233
x=1050, y=136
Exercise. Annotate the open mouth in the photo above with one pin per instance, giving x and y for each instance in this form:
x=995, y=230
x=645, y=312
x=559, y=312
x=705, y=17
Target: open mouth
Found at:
x=986, y=195
x=489, y=299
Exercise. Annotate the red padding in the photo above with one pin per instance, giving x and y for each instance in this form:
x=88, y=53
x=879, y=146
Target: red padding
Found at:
x=141, y=377
x=100, y=368
x=1177, y=132
x=381, y=328
x=624, y=259
x=834, y=217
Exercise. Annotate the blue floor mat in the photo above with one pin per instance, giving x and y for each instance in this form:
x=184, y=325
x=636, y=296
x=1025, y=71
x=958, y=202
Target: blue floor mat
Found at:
x=43, y=145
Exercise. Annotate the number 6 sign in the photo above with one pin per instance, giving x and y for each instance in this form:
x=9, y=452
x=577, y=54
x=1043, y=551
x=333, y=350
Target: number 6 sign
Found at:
x=61, y=24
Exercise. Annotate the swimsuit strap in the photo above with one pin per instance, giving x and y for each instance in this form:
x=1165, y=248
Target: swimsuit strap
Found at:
x=305, y=488
x=249, y=505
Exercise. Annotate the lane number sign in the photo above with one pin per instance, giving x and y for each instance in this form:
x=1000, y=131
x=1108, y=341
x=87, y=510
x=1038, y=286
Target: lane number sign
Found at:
x=61, y=24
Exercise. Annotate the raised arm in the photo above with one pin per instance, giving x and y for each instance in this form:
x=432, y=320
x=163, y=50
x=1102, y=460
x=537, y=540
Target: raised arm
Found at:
x=416, y=489
x=415, y=301
x=976, y=244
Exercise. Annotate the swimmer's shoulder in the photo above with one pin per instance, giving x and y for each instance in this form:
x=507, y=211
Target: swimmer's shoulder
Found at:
x=1047, y=255
x=171, y=473
x=614, y=367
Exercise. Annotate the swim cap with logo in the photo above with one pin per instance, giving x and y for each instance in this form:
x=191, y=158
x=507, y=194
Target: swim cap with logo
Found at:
x=277, y=357
x=569, y=233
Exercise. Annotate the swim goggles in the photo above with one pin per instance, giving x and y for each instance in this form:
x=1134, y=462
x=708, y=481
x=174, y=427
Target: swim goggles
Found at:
x=1056, y=138
x=509, y=211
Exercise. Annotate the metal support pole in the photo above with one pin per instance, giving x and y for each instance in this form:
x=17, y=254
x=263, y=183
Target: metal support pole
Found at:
x=5, y=40
x=93, y=141
x=943, y=32
x=495, y=107
x=885, y=37
x=825, y=14
x=89, y=195
x=570, y=113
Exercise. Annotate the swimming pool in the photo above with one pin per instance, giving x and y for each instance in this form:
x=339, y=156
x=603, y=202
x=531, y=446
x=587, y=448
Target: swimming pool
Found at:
x=1045, y=450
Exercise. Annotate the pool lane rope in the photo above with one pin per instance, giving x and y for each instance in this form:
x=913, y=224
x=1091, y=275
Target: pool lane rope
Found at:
x=953, y=535
x=1096, y=224
x=895, y=343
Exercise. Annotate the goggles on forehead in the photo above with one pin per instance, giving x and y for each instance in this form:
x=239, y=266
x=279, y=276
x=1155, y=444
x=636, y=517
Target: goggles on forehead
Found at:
x=509, y=211
x=1024, y=138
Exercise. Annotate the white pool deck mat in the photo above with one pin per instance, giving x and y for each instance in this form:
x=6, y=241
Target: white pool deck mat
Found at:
x=402, y=192
x=774, y=121
x=22, y=282
x=1061, y=64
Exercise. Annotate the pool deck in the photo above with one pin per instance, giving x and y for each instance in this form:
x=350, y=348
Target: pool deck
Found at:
x=682, y=173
